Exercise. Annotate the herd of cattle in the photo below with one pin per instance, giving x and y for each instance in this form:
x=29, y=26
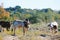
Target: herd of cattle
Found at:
x=25, y=25
x=15, y=24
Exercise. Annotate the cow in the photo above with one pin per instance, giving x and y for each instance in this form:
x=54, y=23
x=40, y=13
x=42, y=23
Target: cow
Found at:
x=5, y=24
x=21, y=24
x=53, y=27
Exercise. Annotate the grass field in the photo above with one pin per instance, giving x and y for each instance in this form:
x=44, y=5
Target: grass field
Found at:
x=35, y=32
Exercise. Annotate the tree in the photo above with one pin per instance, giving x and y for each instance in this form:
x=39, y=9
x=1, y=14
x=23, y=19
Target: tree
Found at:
x=4, y=14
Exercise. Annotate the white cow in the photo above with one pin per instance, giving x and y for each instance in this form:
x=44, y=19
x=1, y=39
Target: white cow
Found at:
x=53, y=27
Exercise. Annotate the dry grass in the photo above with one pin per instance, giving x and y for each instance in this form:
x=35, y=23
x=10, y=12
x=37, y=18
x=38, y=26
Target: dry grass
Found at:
x=1, y=37
x=31, y=34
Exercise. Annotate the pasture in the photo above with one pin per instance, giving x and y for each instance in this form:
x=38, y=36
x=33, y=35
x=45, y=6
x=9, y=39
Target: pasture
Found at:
x=36, y=32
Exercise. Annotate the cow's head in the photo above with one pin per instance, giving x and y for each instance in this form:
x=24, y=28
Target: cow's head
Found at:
x=27, y=20
x=48, y=24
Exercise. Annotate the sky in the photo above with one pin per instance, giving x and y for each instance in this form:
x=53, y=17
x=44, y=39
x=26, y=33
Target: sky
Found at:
x=32, y=4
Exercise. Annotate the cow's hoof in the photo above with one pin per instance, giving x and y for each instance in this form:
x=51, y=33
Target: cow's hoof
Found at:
x=0, y=30
x=13, y=34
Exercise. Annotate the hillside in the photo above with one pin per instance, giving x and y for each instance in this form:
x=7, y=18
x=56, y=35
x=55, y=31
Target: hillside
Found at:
x=38, y=19
x=35, y=15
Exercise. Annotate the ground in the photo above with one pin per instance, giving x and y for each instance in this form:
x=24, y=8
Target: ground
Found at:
x=36, y=32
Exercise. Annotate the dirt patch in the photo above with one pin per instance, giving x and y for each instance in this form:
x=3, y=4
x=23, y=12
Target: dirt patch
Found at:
x=49, y=37
x=10, y=37
x=55, y=37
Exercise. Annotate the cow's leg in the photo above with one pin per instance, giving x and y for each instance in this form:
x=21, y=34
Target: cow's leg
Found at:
x=0, y=28
x=14, y=30
x=51, y=30
x=23, y=30
x=11, y=28
x=55, y=30
x=7, y=29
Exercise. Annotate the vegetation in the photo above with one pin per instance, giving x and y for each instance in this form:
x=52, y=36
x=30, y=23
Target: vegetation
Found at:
x=35, y=15
x=38, y=16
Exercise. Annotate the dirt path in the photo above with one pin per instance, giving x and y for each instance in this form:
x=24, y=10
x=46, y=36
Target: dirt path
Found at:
x=9, y=37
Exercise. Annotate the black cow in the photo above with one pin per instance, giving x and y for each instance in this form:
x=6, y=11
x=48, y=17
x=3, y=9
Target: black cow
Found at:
x=5, y=24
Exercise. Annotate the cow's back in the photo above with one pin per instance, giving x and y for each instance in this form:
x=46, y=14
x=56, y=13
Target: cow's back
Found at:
x=18, y=23
x=4, y=24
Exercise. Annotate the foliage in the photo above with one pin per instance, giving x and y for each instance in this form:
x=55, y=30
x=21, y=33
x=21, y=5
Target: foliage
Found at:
x=35, y=15
x=4, y=15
